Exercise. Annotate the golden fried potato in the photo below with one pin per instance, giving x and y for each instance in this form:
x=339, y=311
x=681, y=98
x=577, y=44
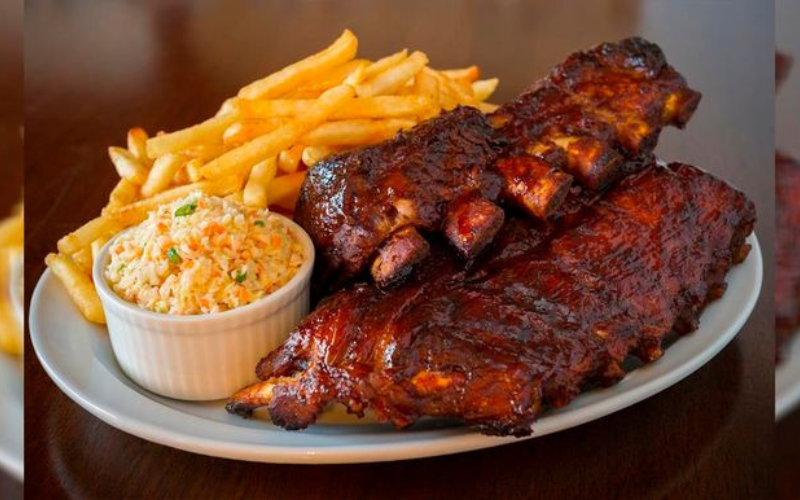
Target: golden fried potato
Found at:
x=260, y=143
x=355, y=132
x=310, y=68
x=79, y=286
x=394, y=77
x=246, y=156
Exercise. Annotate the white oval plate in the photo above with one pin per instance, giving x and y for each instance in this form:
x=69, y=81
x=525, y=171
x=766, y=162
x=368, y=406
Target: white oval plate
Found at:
x=787, y=379
x=11, y=395
x=16, y=285
x=77, y=356
x=11, y=422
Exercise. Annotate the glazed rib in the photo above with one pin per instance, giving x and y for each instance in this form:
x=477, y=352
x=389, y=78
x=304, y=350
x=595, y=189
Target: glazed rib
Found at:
x=549, y=309
x=593, y=113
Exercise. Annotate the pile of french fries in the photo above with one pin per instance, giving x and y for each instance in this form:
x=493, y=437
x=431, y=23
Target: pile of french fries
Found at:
x=259, y=145
x=11, y=244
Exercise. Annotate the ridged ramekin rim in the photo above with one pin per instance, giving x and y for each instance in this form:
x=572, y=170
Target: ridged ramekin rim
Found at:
x=288, y=292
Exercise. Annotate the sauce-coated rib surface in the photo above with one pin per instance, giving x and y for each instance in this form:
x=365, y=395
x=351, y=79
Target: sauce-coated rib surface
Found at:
x=595, y=112
x=541, y=316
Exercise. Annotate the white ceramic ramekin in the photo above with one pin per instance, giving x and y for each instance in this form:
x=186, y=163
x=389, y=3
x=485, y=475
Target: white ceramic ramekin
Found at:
x=202, y=357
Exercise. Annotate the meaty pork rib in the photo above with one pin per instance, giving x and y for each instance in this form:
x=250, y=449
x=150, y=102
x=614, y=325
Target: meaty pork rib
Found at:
x=536, y=319
x=594, y=111
x=787, y=248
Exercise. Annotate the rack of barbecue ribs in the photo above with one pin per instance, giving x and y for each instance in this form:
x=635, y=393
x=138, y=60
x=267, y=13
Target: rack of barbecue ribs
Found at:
x=550, y=309
x=375, y=209
x=542, y=245
x=787, y=249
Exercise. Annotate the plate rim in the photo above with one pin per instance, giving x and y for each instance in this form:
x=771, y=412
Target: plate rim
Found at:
x=12, y=461
x=787, y=379
x=455, y=440
x=16, y=284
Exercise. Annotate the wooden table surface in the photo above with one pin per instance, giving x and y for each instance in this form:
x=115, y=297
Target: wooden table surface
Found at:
x=95, y=68
x=11, y=83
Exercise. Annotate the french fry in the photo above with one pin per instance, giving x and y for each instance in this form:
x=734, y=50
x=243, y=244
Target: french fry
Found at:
x=388, y=106
x=264, y=109
x=205, y=152
x=312, y=154
x=83, y=259
x=12, y=232
x=254, y=195
x=448, y=98
x=385, y=63
x=462, y=94
x=84, y=235
x=10, y=336
x=284, y=191
x=483, y=89
x=409, y=89
x=487, y=107
x=226, y=107
x=355, y=132
x=255, y=191
x=305, y=70
x=181, y=176
x=10, y=333
x=289, y=159
x=427, y=86
x=248, y=129
x=394, y=77
x=334, y=77
x=79, y=286
x=162, y=173
x=224, y=186
x=209, y=131
x=352, y=80
x=128, y=167
x=305, y=112
x=137, y=145
x=462, y=90
x=11, y=241
x=244, y=157
x=136, y=212
x=98, y=245
x=469, y=74
x=236, y=197
x=123, y=193
x=307, y=94
x=193, y=167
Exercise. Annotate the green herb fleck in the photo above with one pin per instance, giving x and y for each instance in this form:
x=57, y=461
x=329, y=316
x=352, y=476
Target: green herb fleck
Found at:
x=260, y=223
x=187, y=209
x=241, y=276
x=173, y=256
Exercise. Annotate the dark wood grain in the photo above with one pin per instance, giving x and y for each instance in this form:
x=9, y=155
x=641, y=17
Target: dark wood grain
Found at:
x=11, y=96
x=11, y=105
x=95, y=68
x=787, y=456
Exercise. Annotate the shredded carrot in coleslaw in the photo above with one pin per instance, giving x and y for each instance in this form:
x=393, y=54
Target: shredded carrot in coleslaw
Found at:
x=203, y=254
